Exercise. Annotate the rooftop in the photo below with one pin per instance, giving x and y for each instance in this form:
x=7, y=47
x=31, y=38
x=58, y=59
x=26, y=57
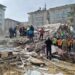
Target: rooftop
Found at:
x=2, y=6
x=13, y=20
x=64, y=6
x=58, y=7
x=38, y=11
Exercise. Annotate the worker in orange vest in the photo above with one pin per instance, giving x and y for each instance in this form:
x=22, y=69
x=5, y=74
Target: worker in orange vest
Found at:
x=59, y=43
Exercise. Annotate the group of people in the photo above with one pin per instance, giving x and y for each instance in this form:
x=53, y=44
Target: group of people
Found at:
x=12, y=32
x=67, y=45
x=23, y=31
x=29, y=32
x=64, y=44
x=62, y=39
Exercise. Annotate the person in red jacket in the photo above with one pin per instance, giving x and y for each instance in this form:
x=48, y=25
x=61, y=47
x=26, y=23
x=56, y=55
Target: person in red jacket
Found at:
x=41, y=33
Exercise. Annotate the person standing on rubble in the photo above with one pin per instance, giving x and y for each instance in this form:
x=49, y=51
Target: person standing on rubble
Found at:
x=24, y=31
x=64, y=44
x=31, y=33
x=32, y=28
x=73, y=45
x=21, y=31
x=59, y=43
x=54, y=41
x=15, y=31
x=11, y=33
x=48, y=43
x=41, y=33
x=70, y=44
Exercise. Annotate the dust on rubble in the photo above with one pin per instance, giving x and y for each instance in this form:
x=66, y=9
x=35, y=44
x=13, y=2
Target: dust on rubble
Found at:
x=30, y=59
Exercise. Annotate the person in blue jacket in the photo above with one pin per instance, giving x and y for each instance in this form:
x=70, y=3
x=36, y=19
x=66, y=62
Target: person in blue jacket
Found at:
x=31, y=32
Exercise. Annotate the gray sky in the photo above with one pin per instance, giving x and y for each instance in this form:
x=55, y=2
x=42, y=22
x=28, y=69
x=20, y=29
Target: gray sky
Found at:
x=18, y=9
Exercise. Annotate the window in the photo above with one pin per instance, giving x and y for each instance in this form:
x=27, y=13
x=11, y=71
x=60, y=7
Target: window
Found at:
x=38, y=20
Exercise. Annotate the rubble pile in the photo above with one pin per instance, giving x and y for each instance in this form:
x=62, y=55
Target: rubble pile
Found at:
x=63, y=32
x=28, y=58
x=20, y=41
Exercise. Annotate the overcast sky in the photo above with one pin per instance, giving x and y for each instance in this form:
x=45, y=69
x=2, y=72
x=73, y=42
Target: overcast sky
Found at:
x=18, y=9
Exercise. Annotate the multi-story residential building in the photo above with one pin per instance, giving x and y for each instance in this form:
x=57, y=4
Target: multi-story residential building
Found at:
x=38, y=17
x=53, y=15
x=2, y=15
x=10, y=23
x=60, y=14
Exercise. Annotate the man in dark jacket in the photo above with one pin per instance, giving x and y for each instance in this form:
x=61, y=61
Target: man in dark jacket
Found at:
x=32, y=28
x=11, y=34
x=48, y=43
x=21, y=31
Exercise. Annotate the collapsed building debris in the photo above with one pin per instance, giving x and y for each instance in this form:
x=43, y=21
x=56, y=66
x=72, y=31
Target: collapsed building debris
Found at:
x=30, y=56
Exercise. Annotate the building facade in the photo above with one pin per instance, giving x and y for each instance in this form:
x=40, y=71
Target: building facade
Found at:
x=53, y=15
x=61, y=14
x=10, y=23
x=38, y=18
x=2, y=16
